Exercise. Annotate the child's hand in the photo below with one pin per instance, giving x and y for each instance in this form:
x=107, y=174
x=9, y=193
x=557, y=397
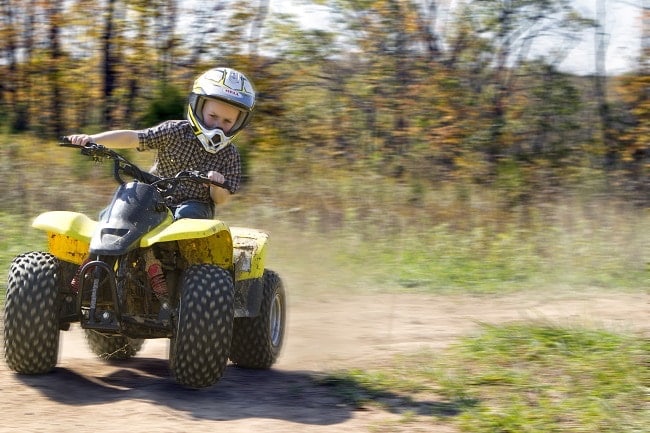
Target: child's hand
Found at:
x=79, y=139
x=215, y=176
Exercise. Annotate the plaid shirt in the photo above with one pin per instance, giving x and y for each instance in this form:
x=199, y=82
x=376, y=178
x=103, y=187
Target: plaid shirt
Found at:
x=179, y=149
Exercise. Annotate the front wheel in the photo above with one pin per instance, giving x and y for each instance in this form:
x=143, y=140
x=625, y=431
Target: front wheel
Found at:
x=198, y=352
x=257, y=341
x=31, y=315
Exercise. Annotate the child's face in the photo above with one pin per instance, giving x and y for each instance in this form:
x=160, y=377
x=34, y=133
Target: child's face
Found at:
x=217, y=114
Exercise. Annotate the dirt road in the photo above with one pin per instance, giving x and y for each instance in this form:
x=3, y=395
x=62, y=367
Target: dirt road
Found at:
x=324, y=333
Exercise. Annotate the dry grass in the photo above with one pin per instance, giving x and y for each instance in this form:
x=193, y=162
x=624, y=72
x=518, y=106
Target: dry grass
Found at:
x=379, y=230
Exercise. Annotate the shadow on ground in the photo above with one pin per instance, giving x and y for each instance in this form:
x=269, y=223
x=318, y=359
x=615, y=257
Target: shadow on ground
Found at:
x=241, y=393
x=294, y=396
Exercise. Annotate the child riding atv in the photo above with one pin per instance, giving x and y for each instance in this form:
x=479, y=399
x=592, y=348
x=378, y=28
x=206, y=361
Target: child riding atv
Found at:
x=220, y=106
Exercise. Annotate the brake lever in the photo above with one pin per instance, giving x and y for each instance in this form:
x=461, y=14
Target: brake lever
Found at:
x=92, y=149
x=191, y=174
x=200, y=176
x=65, y=142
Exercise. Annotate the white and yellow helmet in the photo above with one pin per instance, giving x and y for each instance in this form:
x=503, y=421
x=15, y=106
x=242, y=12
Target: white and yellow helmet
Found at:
x=226, y=85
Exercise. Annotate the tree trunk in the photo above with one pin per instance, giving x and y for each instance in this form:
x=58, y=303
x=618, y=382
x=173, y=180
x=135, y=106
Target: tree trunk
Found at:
x=600, y=88
x=55, y=53
x=108, y=64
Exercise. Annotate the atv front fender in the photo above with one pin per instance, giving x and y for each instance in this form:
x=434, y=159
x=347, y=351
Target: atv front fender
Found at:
x=68, y=234
x=199, y=240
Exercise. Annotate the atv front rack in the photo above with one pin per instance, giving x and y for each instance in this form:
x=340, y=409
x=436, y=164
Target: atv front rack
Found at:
x=106, y=321
x=93, y=277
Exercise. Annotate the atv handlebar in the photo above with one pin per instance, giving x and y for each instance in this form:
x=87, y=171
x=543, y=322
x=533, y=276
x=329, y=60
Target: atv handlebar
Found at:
x=122, y=165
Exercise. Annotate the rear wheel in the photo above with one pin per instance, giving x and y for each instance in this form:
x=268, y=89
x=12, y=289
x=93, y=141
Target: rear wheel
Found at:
x=112, y=347
x=31, y=315
x=257, y=341
x=198, y=352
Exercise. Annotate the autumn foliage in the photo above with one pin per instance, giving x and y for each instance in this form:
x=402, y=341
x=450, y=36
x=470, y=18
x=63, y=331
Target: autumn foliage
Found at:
x=400, y=89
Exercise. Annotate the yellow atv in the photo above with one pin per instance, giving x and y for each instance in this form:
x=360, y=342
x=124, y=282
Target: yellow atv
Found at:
x=137, y=274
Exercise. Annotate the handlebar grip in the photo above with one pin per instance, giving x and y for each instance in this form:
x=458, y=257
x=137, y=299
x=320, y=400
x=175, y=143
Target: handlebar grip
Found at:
x=220, y=185
x=65, y=142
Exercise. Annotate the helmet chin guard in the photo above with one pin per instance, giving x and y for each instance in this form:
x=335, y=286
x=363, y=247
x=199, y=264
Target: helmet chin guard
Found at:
x=213, y=140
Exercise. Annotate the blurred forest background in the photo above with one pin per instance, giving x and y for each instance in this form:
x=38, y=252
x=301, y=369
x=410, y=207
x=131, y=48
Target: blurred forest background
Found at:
x=384, y=126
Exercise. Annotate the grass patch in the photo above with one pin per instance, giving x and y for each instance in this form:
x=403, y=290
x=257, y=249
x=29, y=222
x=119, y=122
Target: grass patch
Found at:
x=547, y=378
x=443, y=259
x=517, y=378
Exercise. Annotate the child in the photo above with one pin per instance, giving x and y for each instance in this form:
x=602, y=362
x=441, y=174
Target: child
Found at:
x=220, y=106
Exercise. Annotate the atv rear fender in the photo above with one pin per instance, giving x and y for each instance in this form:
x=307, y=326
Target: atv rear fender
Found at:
x=249, y=252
